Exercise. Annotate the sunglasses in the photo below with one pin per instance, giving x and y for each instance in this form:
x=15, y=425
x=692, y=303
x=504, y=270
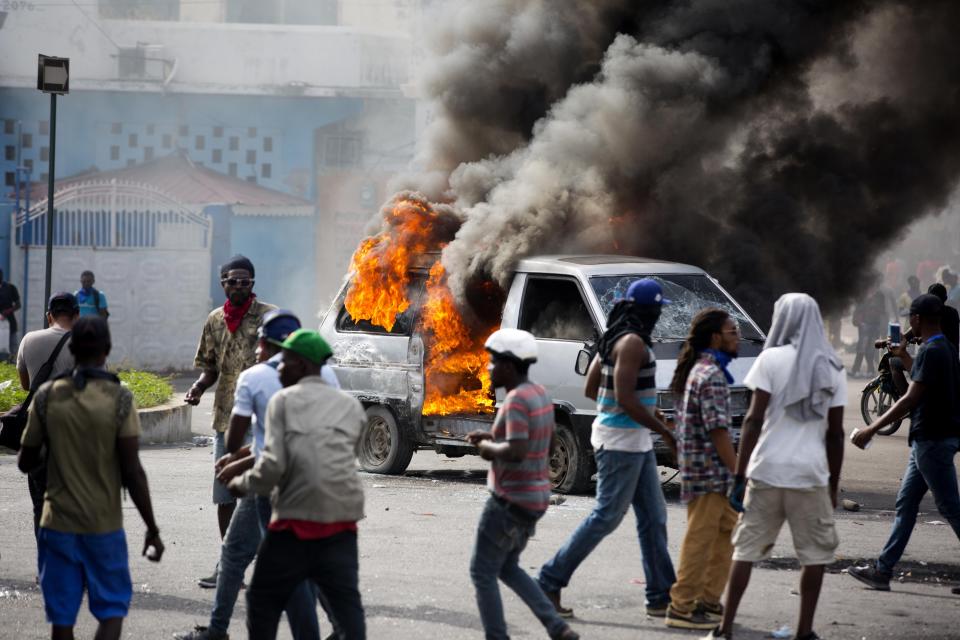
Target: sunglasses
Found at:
x=237, y=282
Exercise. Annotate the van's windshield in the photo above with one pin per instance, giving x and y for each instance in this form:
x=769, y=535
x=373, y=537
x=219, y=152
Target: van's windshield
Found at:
x=689, y=293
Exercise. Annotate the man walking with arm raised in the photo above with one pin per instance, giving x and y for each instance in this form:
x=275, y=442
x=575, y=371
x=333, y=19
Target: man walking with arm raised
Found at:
x=933, y=401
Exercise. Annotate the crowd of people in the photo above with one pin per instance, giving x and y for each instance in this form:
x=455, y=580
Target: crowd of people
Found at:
x=283, y=428
x=881, y=305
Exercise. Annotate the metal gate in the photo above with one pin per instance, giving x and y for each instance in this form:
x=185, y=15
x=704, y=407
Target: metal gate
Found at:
x=151, y=257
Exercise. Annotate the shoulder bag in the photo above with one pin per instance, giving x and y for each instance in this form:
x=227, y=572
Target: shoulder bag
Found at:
x=14, y=421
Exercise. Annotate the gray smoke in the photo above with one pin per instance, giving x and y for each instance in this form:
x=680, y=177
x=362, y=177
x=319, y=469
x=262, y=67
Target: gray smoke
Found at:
x=497, y=69
x=780, y=145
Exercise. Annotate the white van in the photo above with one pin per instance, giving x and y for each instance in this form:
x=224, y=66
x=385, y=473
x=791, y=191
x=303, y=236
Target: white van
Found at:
x=564, y=302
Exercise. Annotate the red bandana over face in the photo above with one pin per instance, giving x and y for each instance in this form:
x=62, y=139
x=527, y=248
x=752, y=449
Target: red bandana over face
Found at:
x=233, y=315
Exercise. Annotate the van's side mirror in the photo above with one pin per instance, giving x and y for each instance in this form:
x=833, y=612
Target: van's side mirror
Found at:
x=583, y=362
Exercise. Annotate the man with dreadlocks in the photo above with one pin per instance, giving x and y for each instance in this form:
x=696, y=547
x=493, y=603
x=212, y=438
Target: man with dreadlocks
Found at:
x=706, y=458
x=622, y=379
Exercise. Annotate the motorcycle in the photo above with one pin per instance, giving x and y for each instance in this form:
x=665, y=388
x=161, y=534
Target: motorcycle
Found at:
x=881, y=393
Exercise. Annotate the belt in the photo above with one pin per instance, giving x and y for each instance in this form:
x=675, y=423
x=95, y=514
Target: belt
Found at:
x=524, y=515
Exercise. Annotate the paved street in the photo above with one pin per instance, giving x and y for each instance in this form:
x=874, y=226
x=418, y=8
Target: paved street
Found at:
x=415, y=548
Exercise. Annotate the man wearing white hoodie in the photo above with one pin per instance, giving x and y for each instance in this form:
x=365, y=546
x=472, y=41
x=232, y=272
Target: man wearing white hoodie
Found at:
x=790, y=456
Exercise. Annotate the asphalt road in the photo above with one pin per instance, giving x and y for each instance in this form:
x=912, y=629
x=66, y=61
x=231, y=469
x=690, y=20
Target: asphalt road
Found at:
x=416, y=543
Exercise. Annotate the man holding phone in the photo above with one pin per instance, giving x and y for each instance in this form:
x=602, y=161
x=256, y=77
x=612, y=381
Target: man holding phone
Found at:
x=933, y=402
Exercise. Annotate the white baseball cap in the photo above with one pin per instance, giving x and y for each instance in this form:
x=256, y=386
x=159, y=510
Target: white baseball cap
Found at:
x=513, y=343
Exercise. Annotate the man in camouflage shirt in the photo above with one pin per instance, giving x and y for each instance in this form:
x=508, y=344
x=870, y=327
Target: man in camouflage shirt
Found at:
x=227, y=347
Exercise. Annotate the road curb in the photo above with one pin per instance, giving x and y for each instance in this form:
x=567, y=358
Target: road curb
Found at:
x=166, y=423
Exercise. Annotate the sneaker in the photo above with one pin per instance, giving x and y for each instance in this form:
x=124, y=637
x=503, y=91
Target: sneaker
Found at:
x=712, y=611
x=209, y=582
x=715, y=633
x=562, y=611
x=696, y=619
x=567, y=634
x=657, y=610
x=871, y=577
x=810, y=636
x=201, y=633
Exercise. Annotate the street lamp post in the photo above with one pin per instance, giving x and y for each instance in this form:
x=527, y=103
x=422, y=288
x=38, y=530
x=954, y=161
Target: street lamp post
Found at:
x=53, y=77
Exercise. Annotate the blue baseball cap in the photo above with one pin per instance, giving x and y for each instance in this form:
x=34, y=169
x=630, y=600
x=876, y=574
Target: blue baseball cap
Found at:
x=277, y=325
x=646, y=291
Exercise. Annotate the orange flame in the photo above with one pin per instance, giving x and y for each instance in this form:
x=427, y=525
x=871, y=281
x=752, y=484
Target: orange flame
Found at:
x=452, y=349
x=382, y=264
x=455, y=362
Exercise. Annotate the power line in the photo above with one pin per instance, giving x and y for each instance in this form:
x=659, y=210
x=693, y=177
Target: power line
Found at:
x=96, y=24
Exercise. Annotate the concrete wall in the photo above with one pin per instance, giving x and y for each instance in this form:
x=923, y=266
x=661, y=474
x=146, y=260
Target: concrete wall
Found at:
x=167, y=423
x=158, y=299
x=110, y=130
x=203, y=56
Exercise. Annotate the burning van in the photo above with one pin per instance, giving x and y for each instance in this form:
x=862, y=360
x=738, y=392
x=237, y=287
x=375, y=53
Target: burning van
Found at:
x=420, y=372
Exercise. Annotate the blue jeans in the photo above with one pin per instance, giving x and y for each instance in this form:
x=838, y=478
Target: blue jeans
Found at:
x=501, y=537
x=624, y=478
x=238, y=551
x=930, y=467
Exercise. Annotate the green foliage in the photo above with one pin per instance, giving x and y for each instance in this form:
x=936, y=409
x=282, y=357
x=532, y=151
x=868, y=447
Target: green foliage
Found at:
x=149, y=390
x=10, y=394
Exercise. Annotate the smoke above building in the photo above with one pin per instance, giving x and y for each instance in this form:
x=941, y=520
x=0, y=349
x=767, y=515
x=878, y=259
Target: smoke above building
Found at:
x=779, y=145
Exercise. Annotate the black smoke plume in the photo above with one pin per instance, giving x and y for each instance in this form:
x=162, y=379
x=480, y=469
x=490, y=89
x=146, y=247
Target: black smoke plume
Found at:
x=778, y=144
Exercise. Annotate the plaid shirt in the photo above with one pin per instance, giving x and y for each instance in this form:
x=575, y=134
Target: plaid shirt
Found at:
x=705, y=407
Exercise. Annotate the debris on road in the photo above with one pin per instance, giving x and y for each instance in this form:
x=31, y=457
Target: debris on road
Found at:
x=202, y=441
x=850, y=505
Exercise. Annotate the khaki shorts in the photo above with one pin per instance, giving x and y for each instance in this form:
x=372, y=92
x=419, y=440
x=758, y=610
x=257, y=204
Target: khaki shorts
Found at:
x=808, y=511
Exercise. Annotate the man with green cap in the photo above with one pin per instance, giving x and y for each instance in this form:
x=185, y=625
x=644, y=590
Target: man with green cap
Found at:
x=309, y=457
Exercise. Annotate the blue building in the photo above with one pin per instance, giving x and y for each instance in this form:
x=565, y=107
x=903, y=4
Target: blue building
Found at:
x=296, y=110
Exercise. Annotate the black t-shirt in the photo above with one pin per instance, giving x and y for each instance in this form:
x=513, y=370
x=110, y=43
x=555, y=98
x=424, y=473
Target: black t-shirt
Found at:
x=8, y=297
x=938, y=369
x=950, y=325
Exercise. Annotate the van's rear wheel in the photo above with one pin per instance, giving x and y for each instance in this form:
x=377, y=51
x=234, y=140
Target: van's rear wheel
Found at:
x=570, y=468
x=383, y=449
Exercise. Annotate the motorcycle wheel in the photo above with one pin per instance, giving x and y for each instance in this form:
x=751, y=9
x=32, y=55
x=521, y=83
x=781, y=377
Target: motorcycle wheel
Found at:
x=874, y=402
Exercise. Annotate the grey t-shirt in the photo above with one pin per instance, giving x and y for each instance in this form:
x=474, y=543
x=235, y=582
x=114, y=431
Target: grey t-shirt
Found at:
x=37, y=346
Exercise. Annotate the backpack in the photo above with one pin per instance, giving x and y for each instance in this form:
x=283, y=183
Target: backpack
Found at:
x=96, y=302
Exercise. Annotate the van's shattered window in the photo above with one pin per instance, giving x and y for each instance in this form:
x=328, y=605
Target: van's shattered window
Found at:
x=553, y=308
x=404, y=321
x=689, y=293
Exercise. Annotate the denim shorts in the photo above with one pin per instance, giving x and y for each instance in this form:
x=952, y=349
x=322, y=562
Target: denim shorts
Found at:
x=70, y=562
x=221, y=495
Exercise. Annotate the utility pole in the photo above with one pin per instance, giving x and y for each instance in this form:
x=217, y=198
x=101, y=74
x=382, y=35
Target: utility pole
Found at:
x=53, y=77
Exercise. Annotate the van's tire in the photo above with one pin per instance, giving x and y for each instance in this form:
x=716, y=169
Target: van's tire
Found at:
x=570, y=467
x=382, y=447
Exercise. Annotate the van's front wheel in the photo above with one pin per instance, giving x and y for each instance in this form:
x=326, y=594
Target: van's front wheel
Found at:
x=383, y=449
x=570, y=467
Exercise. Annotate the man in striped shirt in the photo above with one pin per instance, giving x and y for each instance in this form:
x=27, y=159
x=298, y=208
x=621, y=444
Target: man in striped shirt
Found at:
x=622, y=379
x=518, y=447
